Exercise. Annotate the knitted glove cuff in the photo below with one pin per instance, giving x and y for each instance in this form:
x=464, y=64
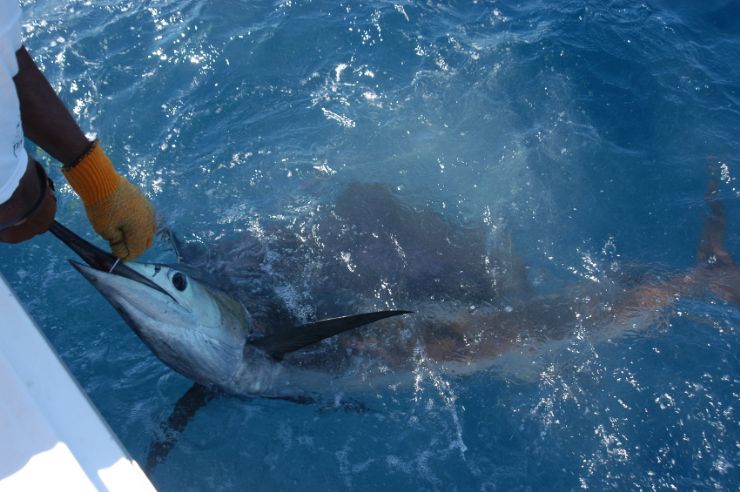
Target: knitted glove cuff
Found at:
x=94, y=176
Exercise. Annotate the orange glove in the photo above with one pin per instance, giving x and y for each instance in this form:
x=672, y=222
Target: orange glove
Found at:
x=117, y=210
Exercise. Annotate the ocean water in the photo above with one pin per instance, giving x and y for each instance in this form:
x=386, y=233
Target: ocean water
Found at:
x=579, y=134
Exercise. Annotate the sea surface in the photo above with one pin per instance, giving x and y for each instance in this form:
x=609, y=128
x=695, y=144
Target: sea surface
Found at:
x=581, y=134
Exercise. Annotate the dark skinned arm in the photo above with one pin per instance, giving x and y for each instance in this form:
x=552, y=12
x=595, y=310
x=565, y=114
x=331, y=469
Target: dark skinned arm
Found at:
x=46, y=121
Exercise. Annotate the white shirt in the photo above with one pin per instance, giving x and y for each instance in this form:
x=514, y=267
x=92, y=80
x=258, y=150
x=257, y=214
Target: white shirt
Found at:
x=13, y=157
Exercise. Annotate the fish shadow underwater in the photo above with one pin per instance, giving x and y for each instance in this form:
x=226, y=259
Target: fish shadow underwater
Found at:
x=234, y=316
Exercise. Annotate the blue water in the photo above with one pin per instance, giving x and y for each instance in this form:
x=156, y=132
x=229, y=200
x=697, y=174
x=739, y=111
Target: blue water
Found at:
x=583, y=134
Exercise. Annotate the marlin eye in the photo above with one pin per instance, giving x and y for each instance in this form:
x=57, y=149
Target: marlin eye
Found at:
x=179, y=281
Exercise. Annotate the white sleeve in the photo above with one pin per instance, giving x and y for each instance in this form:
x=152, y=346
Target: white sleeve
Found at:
x=13, y=157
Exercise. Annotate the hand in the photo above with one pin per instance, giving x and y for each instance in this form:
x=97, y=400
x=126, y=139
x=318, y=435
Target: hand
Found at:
x=35, y=198
x=117, y=210
x=125, y=219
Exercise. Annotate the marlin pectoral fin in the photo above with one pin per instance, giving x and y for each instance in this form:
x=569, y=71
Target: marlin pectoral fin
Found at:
x=301, y=336
x=185, y=408
x=169, y=236
x=188, y=252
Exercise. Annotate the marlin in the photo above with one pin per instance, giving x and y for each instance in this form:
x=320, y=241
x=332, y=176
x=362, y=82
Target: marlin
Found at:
x=474, y=306
x=202, y=332
x=238, y=336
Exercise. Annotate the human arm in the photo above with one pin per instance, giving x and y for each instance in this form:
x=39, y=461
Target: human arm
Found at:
x=46, y=121
x=117, y=210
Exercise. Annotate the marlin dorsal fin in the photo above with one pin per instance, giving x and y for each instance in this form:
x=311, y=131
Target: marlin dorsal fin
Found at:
x=301, y=336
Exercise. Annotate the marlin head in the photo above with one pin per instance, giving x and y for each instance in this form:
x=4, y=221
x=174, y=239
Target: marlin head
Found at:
x=193, y=328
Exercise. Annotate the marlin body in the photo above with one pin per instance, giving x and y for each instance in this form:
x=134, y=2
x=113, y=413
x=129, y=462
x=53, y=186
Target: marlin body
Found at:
x=474, y=304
